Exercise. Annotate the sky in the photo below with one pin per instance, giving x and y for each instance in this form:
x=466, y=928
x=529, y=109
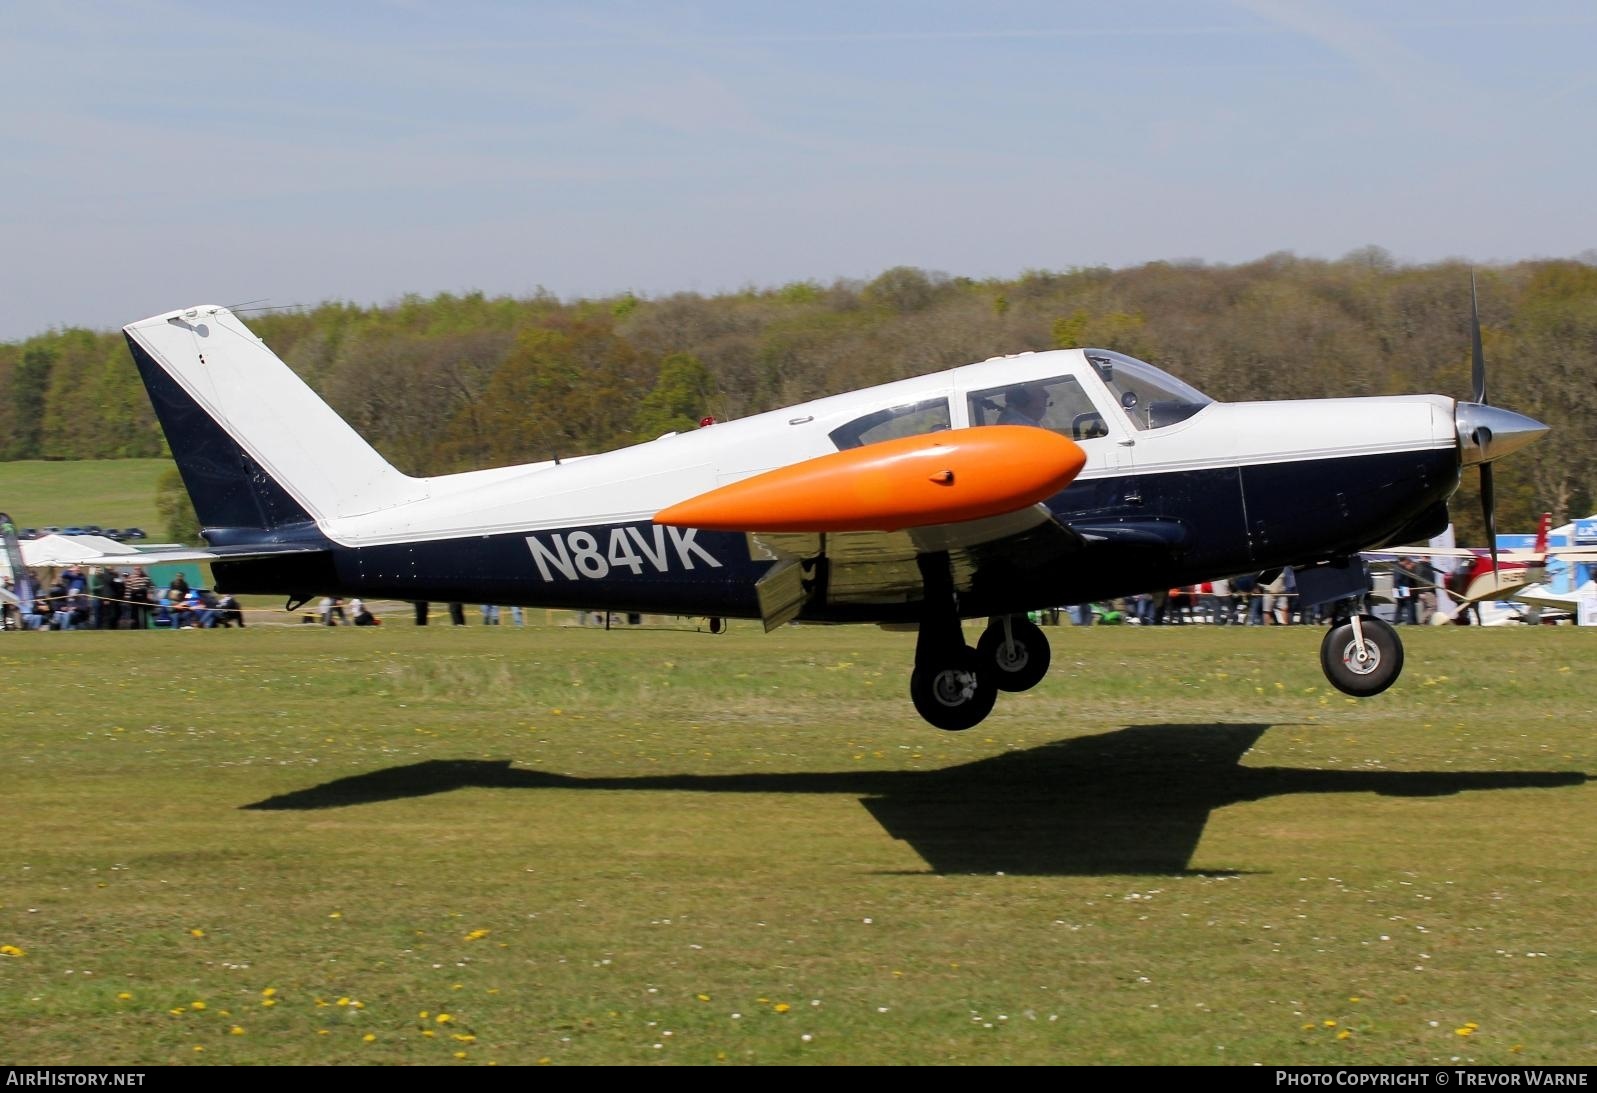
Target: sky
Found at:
x=156, y=154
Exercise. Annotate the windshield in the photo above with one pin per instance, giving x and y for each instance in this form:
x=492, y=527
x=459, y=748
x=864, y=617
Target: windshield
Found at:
x=1150, y=397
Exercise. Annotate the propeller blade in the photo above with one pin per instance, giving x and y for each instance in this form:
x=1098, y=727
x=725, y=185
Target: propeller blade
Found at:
x=1489, y=510
x=1477, y=371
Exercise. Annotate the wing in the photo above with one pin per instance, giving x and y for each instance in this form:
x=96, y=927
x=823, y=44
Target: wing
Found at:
x=866, y=570
x=1540, y=596
x=1579, y=554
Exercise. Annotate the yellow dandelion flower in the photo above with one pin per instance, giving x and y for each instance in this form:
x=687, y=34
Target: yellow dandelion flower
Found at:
x=321, y=1001
x=357, y=1005
x=344, y=1001
x=199, y=1047
x=702, y=997
x=424, y=1015
x=1355, y=999
x=1328, y=1023
x=321, y=1032
x=1465, y=1031
x=269, y=992
x=236, y=1030
x=460, y=1054
x=456, y=986
x=429, y=1033
x=476, y=935
x=196, y=1005
x=336, y=914
x=12, y=951
x=464, y=1037
x=544, y=1060
x=370, y=1038
x=444, y=1018
x=1343, y=1035
x=178, y=1011
x=781, y=1007
x=125, y=996
x=196, y=932
x=268, y=1001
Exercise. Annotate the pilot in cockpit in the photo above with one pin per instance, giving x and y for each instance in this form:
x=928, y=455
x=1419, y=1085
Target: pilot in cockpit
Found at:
x=1024, y=406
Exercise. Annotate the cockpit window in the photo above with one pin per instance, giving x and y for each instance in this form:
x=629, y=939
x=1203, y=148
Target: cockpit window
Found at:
x=1150, y=397
x=892, y=423
x=1058, y=404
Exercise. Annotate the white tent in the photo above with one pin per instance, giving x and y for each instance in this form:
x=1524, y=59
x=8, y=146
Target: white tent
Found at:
x=54, y=551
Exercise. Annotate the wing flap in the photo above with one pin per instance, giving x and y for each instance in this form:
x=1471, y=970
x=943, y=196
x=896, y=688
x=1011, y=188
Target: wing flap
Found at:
x=880, y=568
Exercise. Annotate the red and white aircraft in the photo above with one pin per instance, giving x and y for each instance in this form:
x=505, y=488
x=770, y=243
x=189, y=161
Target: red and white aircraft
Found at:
x=1480, y=575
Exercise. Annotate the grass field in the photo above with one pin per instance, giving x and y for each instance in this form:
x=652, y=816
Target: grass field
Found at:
x=114, y=493
x=402, y=845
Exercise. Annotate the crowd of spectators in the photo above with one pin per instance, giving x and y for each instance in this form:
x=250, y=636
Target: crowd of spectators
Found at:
x=113, y=598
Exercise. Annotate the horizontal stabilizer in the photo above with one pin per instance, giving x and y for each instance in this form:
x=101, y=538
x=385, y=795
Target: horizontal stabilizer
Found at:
x=206, y=554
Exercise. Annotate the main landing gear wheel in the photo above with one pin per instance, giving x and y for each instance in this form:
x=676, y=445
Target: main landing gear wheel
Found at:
x=1362, y=657
x=955, y=693
x=1020, y=663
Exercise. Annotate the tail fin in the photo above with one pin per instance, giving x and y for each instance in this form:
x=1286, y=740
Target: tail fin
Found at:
x=1541, y=532
x=257, y=448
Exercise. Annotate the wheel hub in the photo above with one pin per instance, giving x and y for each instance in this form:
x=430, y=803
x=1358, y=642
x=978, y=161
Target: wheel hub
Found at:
x=1012, y=657
x=953, y=687
x=1361, y=657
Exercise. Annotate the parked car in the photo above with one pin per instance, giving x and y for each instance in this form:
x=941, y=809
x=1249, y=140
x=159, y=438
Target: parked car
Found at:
x=134, y=533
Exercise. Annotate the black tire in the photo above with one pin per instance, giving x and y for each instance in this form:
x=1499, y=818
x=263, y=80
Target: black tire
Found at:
x=956, y=694
x=1027, y=660
x=1380, y=666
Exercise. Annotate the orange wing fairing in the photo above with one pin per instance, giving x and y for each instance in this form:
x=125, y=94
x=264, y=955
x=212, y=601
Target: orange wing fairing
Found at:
x=918, y=481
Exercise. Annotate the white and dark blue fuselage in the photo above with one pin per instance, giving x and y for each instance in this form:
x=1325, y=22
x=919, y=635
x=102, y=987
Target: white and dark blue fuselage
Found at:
x=1226, y=489
x=1176, y=489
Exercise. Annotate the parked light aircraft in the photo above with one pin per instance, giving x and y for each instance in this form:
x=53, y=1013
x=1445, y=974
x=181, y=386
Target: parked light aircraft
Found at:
x=1481, y=575
x=985, y=491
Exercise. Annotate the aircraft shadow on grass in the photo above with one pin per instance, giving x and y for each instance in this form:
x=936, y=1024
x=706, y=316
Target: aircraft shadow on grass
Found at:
x=1130, y=801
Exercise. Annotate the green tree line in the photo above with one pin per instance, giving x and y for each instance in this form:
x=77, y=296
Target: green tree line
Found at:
x=457, y=382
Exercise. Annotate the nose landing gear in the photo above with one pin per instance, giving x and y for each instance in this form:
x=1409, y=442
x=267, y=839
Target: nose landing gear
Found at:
x=1361, y=656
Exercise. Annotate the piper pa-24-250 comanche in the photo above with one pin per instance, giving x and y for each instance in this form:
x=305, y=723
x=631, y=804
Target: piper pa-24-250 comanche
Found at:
x=1022, y=482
